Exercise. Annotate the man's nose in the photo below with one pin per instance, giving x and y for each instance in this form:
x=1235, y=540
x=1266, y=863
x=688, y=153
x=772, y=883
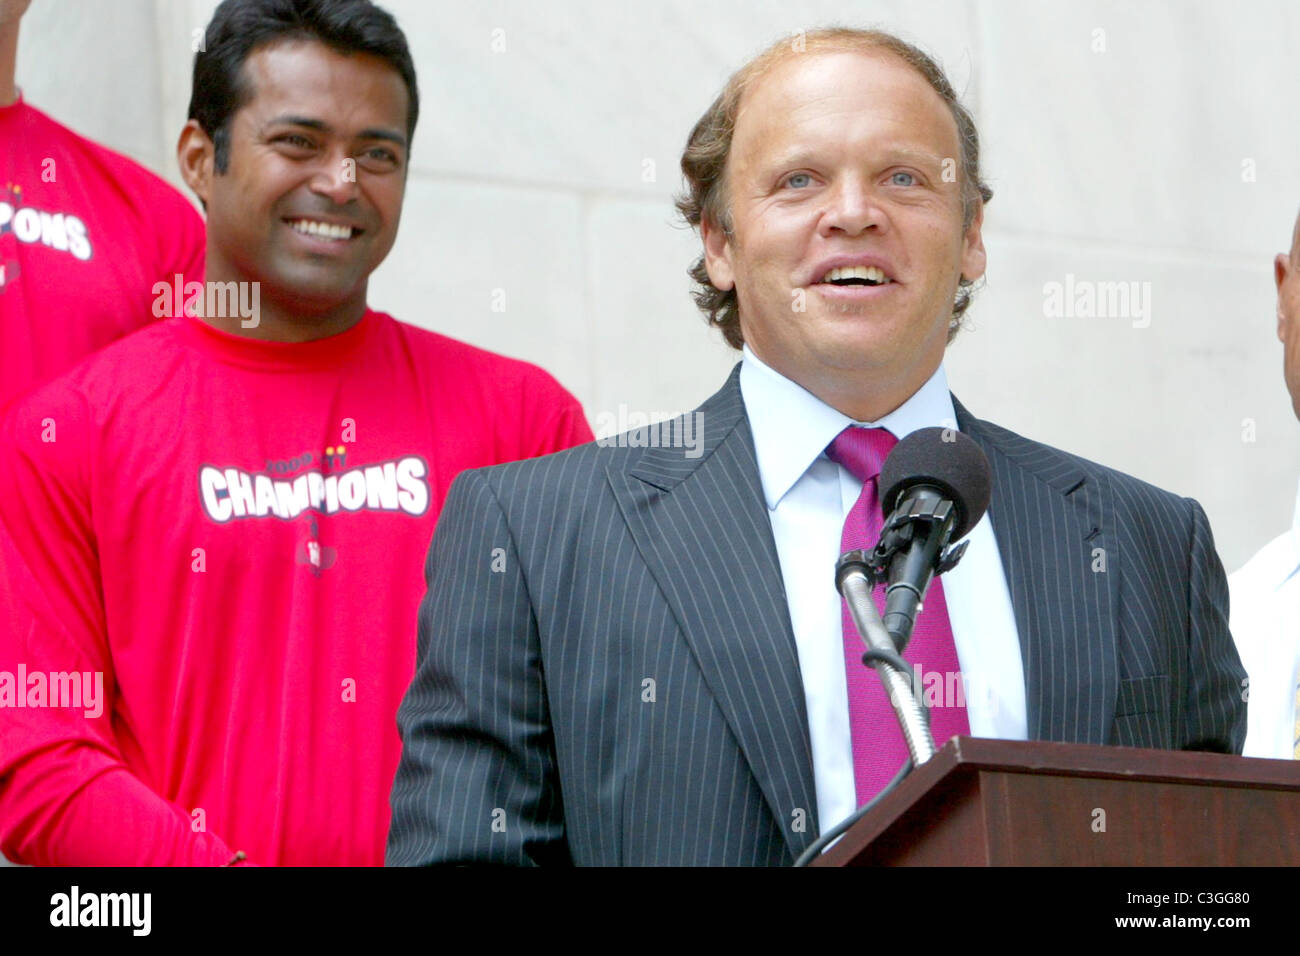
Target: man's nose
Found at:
x=852, y=207
x=336, y=179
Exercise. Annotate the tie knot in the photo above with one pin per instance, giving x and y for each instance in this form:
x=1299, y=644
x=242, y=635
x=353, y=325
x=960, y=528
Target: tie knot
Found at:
x=862, y=450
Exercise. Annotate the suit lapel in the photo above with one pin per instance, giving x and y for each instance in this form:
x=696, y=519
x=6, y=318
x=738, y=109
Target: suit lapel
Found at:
x=1052, y=520
x=702, y=527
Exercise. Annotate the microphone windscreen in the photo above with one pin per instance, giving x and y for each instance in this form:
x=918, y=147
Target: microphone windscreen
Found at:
x=943, y=458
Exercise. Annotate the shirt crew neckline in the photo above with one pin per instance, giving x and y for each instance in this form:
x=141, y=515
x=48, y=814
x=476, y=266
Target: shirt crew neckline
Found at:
x=14, y=108
x=232, y=349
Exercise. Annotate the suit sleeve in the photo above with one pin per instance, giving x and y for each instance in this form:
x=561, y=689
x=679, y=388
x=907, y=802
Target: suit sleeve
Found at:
x=1214, y=714
x=477, y=781
x=66, y=795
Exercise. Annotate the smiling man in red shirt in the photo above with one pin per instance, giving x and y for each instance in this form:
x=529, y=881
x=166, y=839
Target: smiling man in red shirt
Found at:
x=222, y=520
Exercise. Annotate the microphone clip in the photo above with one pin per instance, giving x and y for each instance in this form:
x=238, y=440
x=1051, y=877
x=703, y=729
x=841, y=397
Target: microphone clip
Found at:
x=920, y=516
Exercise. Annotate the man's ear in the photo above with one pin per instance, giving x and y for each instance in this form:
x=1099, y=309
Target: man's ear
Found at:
x=973, y=257
x=717, y=255
x=1281, y=269
x=195, y=154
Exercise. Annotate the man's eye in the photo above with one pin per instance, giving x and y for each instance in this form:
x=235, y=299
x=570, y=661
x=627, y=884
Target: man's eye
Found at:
x=293, y=139
x=378, y=159
x=798, y=180
x=901, y=178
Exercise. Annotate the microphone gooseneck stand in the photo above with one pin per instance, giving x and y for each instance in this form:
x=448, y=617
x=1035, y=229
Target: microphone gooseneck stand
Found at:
x=855, y=584
x=912, y=549
x=856, y=575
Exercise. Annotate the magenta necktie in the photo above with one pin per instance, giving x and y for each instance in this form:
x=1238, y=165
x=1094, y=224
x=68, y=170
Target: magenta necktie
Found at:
x=878, y=745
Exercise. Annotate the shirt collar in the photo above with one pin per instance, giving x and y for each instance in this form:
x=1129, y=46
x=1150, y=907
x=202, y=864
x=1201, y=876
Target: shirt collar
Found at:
x=792, y=426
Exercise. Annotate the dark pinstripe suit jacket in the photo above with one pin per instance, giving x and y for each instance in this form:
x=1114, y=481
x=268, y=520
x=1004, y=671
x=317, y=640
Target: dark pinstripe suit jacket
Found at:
x=607, y=672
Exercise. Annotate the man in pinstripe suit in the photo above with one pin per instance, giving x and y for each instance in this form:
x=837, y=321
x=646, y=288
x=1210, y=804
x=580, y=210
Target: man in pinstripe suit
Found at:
x=633, y=654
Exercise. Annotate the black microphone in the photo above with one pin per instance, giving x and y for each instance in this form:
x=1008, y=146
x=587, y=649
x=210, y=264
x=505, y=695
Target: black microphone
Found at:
x=935, y=488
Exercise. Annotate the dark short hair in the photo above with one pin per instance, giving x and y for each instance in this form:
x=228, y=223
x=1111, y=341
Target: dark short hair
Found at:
x=704, y=162
x=239, y=27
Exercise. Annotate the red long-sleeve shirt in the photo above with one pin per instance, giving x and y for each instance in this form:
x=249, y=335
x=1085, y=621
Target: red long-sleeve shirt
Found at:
x=85, y=236
x=232, y=533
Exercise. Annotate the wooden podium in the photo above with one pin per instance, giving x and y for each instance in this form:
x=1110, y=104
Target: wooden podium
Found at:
x=981, y=802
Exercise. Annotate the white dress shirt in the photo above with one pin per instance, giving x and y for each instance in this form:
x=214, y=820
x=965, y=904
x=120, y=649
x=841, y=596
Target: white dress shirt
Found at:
x=1265, y=623
x=808, y=498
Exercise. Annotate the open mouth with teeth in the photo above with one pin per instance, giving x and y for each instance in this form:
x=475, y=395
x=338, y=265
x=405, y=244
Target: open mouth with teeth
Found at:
x=855, y=275
x=323, y=230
